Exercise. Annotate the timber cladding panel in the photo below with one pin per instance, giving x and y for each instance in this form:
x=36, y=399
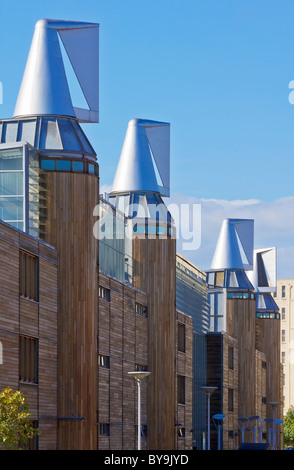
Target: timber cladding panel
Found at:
x=223, y=372
x=71, y=199
x=261, y=372
x=122, y=338
x=268, y=342
x=31, y=319
x=241, y=317
x=184, y=357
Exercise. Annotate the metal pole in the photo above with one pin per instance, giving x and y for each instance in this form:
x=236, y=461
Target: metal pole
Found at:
x=219, y=437
x=208, y=421
x=139, y=414
x=254, y=434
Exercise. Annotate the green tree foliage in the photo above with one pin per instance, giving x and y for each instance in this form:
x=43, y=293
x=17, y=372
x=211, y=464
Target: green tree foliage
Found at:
x=289, y=427
x=15, y=426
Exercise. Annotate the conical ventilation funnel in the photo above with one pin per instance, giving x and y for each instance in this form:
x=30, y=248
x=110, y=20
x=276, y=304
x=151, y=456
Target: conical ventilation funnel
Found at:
x=234, y=248
x=44, y=89
x=145, y=152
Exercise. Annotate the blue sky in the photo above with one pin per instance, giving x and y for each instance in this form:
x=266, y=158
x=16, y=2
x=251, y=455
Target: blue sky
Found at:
x=218, y=71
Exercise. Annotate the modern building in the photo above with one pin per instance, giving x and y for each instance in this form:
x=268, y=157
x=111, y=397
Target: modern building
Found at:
x=243, y=343
x=93, y=287
x=284, y=298
x=29, y=323
x=192, y=299
x=113, y=315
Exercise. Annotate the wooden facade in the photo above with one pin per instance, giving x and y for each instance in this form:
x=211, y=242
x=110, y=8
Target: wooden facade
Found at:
x=223, y=373
x=241, y=317
x=71, y=199
x=122, y=348
x=244, y=363
x=184, y=368
x=35, y=321
x=156, y=275
x=268, y=341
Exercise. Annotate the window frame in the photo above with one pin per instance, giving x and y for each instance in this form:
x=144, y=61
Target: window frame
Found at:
x=28, y=359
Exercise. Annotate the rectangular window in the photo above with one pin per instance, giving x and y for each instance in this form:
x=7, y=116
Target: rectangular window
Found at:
x=283, y=291
x=181, y=389
x=283, y=336
x=231, y=357
x=141, y=310
x=141, y=367
x=28, y=363
x=104, y=293
x=103, y=429
x=219, y=278
x=104, y=361
x=181, y=337
x=78, y=167
x=48, y=165
x=91, y=168
x=283, y=357
x=231, y=399
x=231, y=434
x=29, y=276
x=143, y=430
x=283, y=313
x=63, y=165
x=181, y=432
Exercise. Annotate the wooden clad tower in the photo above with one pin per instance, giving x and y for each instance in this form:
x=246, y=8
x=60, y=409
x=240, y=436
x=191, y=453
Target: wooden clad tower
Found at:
x=155, y=260
x=71, y=199
x=65, y=198
x=141, y=179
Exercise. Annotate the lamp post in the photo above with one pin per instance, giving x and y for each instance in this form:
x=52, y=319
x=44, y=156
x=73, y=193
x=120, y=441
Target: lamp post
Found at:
x=139, y=376
x=274, y=404
x=253, y=423
x=208, y=390
x=218, y=421
x=241, y=423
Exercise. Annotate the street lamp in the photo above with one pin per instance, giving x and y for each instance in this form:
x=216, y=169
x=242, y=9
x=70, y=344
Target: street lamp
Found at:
x=139, y=376
x=242, y=422
x=208, y=390
x=253, y=423
x=218, y=421
x=274, y=404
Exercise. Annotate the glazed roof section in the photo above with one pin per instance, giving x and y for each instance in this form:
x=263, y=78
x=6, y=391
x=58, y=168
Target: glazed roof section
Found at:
x=47, y=134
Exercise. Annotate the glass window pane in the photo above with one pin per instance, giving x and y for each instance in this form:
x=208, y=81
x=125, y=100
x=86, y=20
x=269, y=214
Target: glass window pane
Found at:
x=49, y=135
x=11, y=208
x=91, y=168
x=11, y=159
x=151, y=229
x=63, y=165
x=11, y=183
x=26, y=131
x=68, y=136
x=161, y=230
x=9, y=133
x=78, y=166
x=48, y=164
x=83, y=139
x=18, y=225
x=219, y=278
